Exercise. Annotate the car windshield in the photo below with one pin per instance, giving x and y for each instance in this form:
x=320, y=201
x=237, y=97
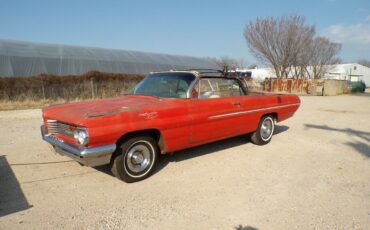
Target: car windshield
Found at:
x=168, y=85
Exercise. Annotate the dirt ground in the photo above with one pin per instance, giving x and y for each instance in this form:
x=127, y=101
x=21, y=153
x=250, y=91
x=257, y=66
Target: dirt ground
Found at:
x=315, y=174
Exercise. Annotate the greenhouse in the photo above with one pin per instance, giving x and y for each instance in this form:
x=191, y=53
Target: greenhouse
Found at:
x=18, y=58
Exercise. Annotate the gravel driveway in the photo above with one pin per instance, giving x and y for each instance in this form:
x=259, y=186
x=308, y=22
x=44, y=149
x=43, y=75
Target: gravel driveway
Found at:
x=315, y=174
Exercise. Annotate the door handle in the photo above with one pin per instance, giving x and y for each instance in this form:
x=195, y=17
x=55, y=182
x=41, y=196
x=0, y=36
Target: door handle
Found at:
x=236, y=103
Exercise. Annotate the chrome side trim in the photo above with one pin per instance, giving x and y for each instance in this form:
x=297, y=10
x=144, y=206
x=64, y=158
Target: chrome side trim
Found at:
x=87, y=156
x=251, y=111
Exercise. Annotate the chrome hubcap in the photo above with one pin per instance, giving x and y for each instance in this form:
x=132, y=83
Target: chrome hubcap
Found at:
x=266, y=129
x=138, y=158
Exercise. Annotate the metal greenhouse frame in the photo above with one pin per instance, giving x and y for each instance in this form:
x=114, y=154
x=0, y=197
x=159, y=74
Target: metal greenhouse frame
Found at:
x=18, y=58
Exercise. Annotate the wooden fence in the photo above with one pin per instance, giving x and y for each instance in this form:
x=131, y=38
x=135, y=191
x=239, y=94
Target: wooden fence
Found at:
x=307, y=86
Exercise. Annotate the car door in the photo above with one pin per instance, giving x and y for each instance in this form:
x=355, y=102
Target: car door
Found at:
x=214, y=110
x=251, y=109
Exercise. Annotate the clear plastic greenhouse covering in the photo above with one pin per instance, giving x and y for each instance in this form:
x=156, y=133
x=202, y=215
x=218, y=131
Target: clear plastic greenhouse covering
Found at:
x=18, y=58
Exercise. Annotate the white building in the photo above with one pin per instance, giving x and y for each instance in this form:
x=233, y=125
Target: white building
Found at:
x=350, y=72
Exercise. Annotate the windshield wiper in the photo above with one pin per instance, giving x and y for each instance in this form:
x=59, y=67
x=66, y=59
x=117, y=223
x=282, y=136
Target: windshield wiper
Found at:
x=141, y=94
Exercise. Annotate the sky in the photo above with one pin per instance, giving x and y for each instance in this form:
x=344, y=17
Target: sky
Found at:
x=194, y=27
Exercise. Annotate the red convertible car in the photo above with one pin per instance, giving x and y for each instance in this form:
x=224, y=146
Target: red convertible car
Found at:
x=164, y=113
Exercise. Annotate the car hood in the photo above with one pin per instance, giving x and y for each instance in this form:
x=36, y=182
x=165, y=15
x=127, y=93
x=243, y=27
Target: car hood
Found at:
x=77, y=113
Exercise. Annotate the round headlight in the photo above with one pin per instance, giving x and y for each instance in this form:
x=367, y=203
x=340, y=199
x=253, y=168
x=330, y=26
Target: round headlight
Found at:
x=81, y=136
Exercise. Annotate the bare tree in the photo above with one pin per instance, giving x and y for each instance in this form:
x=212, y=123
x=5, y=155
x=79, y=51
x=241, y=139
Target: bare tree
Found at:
x=364, y=62
x=337, y=60
x=252, y=66
x=278, y=41
x=230, y=63
x=242, y=63
x=321, y=54
x=299, y=65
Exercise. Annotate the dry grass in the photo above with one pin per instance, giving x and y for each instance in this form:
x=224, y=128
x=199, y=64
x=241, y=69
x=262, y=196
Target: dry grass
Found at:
x=30, y=104
x=43, y=90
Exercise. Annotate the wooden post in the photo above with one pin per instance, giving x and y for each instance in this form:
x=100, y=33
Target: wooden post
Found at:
x=43, y=89
x=92, y=88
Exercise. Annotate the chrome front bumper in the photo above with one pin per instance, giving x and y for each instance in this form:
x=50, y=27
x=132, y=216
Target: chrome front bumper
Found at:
x=87, y=156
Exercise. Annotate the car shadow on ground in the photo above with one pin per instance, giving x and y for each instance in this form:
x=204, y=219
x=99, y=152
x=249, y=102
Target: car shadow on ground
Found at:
x=241, y=227
x=198, y=151
x=360, y=147
x=12, y=198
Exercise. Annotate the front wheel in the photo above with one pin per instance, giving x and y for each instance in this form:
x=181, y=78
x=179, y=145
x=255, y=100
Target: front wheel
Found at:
x=264, y=132
x=135, y=159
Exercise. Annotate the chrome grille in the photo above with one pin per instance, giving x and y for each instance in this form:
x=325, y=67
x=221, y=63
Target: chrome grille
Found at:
x=56, y=127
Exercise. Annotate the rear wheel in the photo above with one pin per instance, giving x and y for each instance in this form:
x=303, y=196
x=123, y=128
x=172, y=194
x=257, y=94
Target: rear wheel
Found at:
x=264, y=132
x=135, y=159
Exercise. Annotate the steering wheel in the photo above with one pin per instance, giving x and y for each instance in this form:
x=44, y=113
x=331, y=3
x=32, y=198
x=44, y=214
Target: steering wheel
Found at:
x=181, y=93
